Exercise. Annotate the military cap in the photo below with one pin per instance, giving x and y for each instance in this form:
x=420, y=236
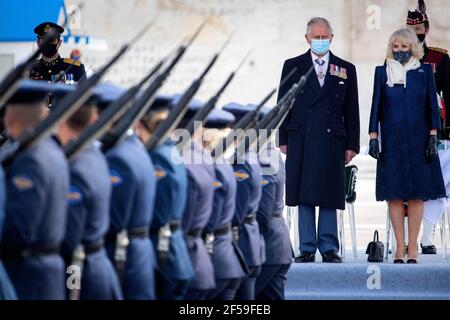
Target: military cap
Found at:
x=106, y=93
x=44, y=28
x=33, y=91
x=417, y=16
x=219, y=119
x=240, y=110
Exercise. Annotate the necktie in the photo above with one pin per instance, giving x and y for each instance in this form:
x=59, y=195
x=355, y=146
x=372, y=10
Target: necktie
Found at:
x=320, y=73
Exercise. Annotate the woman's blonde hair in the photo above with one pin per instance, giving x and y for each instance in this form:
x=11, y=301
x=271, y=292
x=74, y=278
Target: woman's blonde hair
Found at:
x=408, y=37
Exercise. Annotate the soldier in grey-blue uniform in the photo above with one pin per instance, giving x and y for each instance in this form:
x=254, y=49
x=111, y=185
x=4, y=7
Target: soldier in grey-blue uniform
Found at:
x=37, y=180
x=201, y=177
x=247, y=171
x=174, y=269
x=88, y=218
x=229, y=264
x=133, y=195
x=270, y=282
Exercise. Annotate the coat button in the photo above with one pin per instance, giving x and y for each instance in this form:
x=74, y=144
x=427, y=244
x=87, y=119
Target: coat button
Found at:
x=329, y=130
x=302, y=92
x=337, y=95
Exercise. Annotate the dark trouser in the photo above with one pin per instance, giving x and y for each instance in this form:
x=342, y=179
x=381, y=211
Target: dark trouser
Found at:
x=225, y=289
x=194, y=294
x=327, y=239
x=246, y=290
x=170, y=289
x=270, y=282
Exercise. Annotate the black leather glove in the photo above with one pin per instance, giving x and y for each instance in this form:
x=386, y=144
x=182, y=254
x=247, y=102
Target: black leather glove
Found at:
x=431, y=151
x=374, y=149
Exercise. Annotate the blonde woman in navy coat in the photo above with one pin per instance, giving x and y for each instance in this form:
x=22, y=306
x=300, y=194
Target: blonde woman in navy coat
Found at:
x=405, y=113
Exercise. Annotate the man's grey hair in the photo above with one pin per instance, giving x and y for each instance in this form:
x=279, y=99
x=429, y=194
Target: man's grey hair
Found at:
x=318, y=20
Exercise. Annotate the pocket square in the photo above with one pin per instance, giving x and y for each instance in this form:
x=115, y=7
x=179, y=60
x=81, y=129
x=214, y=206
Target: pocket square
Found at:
x=341, y=82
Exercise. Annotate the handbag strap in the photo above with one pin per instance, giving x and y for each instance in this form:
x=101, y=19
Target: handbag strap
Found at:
x=375, y=236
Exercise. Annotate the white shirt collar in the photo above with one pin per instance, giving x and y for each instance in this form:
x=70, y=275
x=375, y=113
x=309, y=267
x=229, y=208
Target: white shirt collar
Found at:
x=325, y=58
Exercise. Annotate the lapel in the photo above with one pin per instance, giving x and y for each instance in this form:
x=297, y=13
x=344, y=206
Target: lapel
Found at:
x=305, y=63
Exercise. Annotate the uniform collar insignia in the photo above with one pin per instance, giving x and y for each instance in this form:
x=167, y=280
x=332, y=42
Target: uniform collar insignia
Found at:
x=160, y=173
x=74, y=196
x=241, y=175
x=116, y=179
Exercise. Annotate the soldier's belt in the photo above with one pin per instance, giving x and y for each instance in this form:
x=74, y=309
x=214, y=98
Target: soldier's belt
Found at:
x=174, y=226
x=250, y=218
x=195, y=233
x=93, y=247
x=38, y=250
x=133, y=233
x=222, y=231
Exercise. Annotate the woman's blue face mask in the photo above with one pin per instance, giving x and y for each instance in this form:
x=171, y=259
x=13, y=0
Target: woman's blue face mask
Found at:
x=402, y=56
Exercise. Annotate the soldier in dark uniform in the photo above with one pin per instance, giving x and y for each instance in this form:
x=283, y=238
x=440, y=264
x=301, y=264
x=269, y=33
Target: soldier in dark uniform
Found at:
x=270, y=282
x=174, y=270
x=439, y=59
x=88, y=217
x=133, y=195
x=52, y=67
x=228, y=261
x=36, y=209
x=199, y=205
x=247, y=171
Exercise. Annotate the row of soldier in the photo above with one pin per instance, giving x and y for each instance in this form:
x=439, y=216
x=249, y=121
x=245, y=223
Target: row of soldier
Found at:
x=100, y=203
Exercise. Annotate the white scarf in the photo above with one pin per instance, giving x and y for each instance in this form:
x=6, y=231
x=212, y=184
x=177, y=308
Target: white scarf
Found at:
x=396, y=72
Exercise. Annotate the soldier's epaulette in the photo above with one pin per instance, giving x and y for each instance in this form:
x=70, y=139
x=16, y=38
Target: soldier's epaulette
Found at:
x=71, y=61
x=441, y=50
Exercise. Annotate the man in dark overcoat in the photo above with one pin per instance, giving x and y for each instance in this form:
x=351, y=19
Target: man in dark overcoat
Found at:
x=320, y=136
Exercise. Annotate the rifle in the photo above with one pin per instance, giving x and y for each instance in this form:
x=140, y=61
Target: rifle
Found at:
x=108, y=117
x=144, y=102
x=203, y=113
x=181, y=107
x=245, y=122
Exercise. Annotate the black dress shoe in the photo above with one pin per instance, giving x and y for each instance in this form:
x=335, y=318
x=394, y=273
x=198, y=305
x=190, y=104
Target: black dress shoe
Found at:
x=412, y=261
x=399, y=260
x=331, y=257
x=305, y=257
x=428, y=249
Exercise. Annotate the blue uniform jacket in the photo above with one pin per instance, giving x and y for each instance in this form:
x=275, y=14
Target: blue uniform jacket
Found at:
x=271, y=206
x=248, y=176
x=36, y=215
x=171, y=193
x=225, y=258
x=133, y=196
x=196, y=215
x=88, y=221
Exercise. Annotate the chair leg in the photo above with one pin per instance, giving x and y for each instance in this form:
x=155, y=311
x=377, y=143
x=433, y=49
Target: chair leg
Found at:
x=443, y=238
x=388, y=236
x=351, y=211
x=342, y=233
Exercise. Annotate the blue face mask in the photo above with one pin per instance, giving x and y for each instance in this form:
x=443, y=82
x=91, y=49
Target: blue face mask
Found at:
x=320, y=46
x=402, y=56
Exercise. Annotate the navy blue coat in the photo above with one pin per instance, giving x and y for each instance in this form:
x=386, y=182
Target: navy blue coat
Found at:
x=88, y=221
x=36, y=214
x=133, y=196
x=171, y=194
x=271, y=206
x=227, y=264
x=7, y=291
x=323, y=123
x=406, y=116
x=248, y=176
x=196, y=215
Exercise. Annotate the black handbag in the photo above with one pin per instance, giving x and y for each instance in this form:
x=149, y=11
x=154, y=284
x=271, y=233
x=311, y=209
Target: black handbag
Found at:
x=375, y=249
